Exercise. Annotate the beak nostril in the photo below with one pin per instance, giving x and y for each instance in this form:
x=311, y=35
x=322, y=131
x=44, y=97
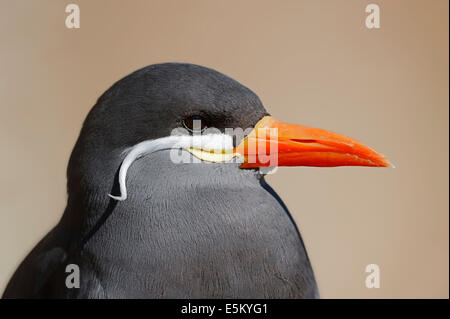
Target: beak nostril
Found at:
x=303, y=140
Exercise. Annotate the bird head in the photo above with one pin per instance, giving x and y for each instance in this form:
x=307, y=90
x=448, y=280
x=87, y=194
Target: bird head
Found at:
x=208, y=115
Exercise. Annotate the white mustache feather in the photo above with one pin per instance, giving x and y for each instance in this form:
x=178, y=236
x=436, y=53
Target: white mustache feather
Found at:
x=207, y=142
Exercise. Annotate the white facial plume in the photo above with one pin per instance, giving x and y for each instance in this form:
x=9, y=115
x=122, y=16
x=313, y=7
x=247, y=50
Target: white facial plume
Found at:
x=210, y=147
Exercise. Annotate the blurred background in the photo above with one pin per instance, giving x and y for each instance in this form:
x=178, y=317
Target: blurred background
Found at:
x=311, y=62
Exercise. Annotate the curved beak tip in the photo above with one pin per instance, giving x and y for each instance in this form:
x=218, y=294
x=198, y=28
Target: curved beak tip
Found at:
x=390, y=164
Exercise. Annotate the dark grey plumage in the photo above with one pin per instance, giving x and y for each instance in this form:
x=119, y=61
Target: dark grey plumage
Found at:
x=186, y=230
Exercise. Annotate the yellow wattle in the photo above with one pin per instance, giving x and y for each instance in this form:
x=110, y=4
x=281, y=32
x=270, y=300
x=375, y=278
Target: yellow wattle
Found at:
x=215, y=157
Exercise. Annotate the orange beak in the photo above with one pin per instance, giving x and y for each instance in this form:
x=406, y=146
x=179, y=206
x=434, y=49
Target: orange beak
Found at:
x=274, y=143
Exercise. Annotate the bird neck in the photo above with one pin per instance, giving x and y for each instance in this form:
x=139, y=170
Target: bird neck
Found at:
x=153, y=181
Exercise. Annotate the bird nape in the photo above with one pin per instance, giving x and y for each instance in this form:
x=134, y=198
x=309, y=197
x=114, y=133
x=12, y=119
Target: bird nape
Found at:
x=179, y=147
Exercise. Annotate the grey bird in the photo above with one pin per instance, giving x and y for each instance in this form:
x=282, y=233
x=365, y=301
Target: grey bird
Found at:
x=160, y=208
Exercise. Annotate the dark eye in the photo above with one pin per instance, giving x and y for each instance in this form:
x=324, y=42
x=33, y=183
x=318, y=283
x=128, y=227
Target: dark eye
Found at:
x=195, y=124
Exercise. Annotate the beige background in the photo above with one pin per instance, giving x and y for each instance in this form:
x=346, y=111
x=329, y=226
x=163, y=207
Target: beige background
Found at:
x=311, y=62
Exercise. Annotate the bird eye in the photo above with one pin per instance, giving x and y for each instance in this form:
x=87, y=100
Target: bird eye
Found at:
x=195, y=124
